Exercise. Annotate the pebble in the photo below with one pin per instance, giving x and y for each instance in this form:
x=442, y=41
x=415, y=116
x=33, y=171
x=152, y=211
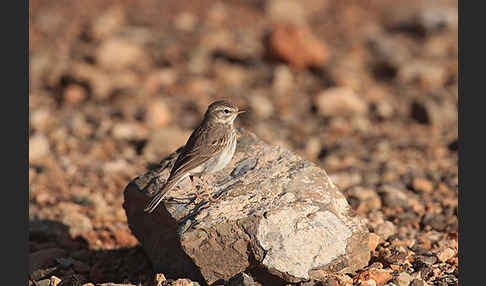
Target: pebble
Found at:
x=283, y=79
x=108, y=23
x=385, y=230
x=185, y=22
x=38, y=147
x=117, y=54
x=373, y=241
x=158, y=114
x=40, y=119
x=422, y=185
x=261, y=106
x=340, y=101
x=368, y=199
x=393, y=197
x=298, y=46
x=74, y=94
x=126, y=131
x=54, y=281
x=288, y=11
x=445, y=254
x=426, y=75
x=418, y=282
x=164, y=141
x=160, y=79
x=184, y=282
x=403, y=279
x=159, y=279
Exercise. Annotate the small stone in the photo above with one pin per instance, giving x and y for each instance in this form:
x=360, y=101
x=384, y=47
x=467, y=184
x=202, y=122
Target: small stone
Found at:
x=283, y=79
x=386, y=229
x=232, y=75
x=185, y=21
x=54, y=281
x=159, y=279
x=374, y=276
x=41, y=119
x=418, y=282
x=43, y=282
x=288, y=11
x=261, y=106
x=74, y=94
x=368, y=199
x=340, y=101
x=88, y=284
x=184, y=282
x=427, y=76
x=38, y=147
x=158, y=114
x=393, y=197
x=108, y=23
x=374, y=240
x=124, y=238
x=118, y=54
x=242, y=279
x=127, y=131
x=297, y=46
x=163, y=141
x=403, y=279
x=77, y=221
x=422, y=185
x=100, y=82
x=160, y=79
x=445, y=254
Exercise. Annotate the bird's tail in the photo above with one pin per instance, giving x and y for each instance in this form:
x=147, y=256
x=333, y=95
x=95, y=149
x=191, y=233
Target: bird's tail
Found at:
x=155, y=200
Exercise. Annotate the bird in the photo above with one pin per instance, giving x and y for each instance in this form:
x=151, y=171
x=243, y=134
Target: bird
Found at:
x=209, y=149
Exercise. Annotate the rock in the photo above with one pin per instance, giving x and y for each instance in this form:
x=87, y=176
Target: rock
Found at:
x=43, y=282
x=115, y=284
x=242, y=279
x=418, y=282
x=393, y=197
x=160, y=79
x=108, y=23
x=283, y=79
x=44, y=258
x=117, y=54
x=54, y=281
x=403, y=279
x=261, y=105
x=272, y=210
x=127, y=131
x=41, y=118
x=422, y=185
x=74, y=94
x=445, y=254
x=185, y=21
x=373, y=276
x=76, y=220
x=163, y=141
x=158, y=114
x=340, y=101
x=297, y=46
x=100, y=82
x=426, y=75
x=38, y=147
x=88, y=284
x=184, y=282
x=159, y=279
x=368, y=199
x=288, y=11
x=374, y=240
x=386, y=229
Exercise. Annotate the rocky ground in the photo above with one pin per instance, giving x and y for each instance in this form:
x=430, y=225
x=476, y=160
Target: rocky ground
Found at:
x=367, y=90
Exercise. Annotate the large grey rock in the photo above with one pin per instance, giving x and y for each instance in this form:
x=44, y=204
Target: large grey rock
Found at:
x=275, y=215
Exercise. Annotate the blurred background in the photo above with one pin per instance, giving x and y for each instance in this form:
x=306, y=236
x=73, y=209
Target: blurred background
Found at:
x=368, y=90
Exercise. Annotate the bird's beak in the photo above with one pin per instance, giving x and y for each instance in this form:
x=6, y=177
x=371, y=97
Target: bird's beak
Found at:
x=241, y=111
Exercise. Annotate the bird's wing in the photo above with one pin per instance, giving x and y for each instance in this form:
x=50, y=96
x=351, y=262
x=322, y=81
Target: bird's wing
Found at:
x=200, y=148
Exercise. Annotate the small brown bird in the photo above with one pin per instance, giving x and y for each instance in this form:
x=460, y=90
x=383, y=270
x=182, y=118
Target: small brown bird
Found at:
x=209, y=148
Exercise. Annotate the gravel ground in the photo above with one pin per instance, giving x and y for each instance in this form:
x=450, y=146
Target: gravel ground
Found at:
x=368, y=90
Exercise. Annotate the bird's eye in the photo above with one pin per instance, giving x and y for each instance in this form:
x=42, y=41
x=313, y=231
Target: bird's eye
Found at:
x=226, y=111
